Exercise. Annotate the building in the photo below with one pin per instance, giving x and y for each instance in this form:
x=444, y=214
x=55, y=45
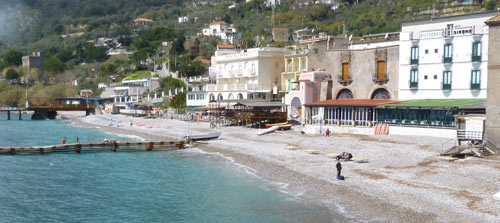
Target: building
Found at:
x=183, y=19
x=492, y=130
x=35, y=60
x=225, y=31
x=280, y=34
x=444, y=58
x=143, y=22
x=131, y=90
x=271, y=3
x=367, y=69
x=248, y=74
x=86, y=93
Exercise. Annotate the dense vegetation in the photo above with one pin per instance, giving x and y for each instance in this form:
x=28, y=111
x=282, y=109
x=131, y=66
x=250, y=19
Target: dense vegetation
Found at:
x=39, y=25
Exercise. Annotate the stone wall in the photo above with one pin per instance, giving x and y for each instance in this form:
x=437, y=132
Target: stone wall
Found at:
x=493, y=99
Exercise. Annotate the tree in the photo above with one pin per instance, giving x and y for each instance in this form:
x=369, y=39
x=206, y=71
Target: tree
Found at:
x=11, y=74
x=12, y=58
x=54, y=65
x=192, y=68
x=178, y=101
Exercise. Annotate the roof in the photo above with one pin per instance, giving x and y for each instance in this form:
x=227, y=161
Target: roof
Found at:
x=203, y=60
x=493, y=20
x=435, y=103
x=143, y=19
x=352, y=102
x=225, y=46
x=448, y=16
x=217, y=22
x=281, y=29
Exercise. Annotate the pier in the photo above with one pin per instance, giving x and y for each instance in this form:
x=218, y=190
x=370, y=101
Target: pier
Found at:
x=110, y=145
x=9, y=110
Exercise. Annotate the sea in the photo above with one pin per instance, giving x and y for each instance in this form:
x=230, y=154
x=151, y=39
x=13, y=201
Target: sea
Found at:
x=150, y=186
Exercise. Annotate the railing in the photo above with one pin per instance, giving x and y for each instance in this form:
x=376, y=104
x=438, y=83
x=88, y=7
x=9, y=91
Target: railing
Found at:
x=474, y=135
x=446, y=86
x=475, y=86
x=376, y=77
x=413, y=84
x=414, y=61
x=476, y=58
x=447, y=59
x=342, y=80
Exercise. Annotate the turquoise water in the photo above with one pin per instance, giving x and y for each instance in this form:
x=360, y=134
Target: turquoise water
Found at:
x=175, y=186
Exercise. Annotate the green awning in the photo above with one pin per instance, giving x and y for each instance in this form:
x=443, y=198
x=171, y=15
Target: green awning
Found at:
x=434, y=103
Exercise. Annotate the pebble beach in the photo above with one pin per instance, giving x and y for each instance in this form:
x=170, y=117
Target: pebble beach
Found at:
x=404, y=179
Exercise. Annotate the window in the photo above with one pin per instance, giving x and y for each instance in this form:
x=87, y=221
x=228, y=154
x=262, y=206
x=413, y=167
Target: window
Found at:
x=435, y=77
x=425, y=77
x=414, y=55
x=448, y=53
x=345, y=71
x=449, y=29
x=475, y=82
x=276, y=65
x=476, y=51
x=426, y=51
x=436, y=51
x=381, y=70
x=414, y=79
x=446, y=80
x=304, y=66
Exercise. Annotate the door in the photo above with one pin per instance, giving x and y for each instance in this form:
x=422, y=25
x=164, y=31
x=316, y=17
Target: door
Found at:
x=381, y=70
x=345, y=71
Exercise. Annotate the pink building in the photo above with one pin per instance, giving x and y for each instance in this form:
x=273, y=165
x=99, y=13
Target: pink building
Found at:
x=304, y=91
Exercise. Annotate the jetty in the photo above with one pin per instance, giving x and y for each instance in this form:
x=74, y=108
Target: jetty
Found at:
x=109, y=145
x=12, y=109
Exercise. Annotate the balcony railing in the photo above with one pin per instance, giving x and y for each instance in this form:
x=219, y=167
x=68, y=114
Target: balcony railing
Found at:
x=475, y=86
x=446, y=86
x=447, y=59
x=413, y=84
x=342, y=80
x=476, y=58
x=414, y=61
x=377, y=78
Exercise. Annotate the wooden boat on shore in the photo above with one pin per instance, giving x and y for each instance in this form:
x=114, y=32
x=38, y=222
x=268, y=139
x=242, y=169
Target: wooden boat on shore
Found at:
x=268, y=130
x=201, y=137
x=281, y=126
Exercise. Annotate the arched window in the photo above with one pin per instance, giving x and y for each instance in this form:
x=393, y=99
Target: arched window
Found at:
x=219, y=97
x=345, y=94
x=230, y=97
x=240, y=96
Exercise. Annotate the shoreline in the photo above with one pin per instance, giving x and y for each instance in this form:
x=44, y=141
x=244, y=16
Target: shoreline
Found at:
x=354, y=197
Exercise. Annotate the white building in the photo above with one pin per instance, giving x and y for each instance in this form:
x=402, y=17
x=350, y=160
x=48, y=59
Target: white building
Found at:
x=131, y=90
x=249, y=74
x=225, y=31
x=183, y=19
x=270, y=3
x=444, y=58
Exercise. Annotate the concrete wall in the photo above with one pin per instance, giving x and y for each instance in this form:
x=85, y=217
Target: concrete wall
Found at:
x=493, y=100
x=363, y=66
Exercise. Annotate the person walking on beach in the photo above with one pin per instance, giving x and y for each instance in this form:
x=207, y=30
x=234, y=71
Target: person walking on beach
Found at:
x=77, y=139
x=327, y=132
x=339, y=168
x=63, y=140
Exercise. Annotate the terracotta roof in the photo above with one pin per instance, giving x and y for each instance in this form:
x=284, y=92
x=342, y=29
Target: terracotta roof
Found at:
x=353, y=102
x=203, y=60
x=143, y=19
x=313, y=40
x=493, y=21
x=281, y=29
x=225, y=46
x=217, y=22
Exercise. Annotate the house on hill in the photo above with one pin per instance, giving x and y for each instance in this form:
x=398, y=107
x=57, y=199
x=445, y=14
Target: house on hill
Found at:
x=225, y=31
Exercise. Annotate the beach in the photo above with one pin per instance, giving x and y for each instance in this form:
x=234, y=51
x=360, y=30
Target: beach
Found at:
x=404, y=180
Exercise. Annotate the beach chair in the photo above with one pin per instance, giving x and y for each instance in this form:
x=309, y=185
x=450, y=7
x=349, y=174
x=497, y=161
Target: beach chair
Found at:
x=333, y=155
x=359, y=160
x=311, y=151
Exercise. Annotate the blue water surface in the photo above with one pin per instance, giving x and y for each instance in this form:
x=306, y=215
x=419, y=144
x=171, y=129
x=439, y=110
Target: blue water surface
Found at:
x=156, y=186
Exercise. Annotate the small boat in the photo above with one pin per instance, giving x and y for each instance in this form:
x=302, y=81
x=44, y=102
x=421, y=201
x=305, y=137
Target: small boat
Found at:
x=282, y=126
x=311, y=151
x=268, y=130
x=201, y=137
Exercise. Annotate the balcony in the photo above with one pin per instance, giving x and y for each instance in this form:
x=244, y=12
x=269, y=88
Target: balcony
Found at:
x=413, y=85
x=446, y=86
x=476, y=58
x=475, y=86
x=344, y=81
x=380, y=78
x=447, y=59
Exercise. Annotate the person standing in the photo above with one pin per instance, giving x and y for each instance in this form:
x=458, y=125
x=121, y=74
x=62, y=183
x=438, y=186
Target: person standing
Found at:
x=339, y=168
x=327, y=132
x=63, y=141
